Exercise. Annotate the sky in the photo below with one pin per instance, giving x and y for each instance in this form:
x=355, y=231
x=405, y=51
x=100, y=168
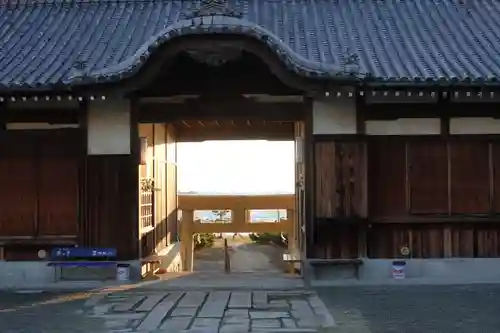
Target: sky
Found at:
x=236, y=166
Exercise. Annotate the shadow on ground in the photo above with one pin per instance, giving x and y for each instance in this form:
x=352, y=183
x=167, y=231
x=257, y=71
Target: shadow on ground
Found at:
x=45, y=312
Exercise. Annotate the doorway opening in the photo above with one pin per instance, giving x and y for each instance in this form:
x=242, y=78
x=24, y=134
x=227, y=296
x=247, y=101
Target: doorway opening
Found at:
x=234, y=175
x=197, y=103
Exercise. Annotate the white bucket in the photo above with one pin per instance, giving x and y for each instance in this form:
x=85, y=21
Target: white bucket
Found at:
x=123, y=272
x=398, y=270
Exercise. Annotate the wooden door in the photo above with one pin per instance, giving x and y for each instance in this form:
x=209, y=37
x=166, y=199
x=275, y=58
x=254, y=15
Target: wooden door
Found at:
x=18, y=191
x=428, y=176
x=470, y=176
x=58, y=183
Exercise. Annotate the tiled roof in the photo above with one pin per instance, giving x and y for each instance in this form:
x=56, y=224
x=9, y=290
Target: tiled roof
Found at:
x=62, y=43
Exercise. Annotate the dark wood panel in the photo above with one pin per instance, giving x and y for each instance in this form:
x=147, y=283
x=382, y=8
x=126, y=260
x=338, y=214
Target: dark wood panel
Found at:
x=470, y=176
x=473, y=240
x=424, y=241
x=340, y=172
x=387, y=177
x=428, y=176
x=58, y=184
x=18, y=185
x=58, y=200
x=335, y=241
x=487, y=238
x=18, y=196
x=111, y=199
x=352, y=180
x=325, y=163
x=496, y=175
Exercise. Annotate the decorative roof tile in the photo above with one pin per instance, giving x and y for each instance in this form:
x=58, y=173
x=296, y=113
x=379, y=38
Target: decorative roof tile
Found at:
x=64, y=43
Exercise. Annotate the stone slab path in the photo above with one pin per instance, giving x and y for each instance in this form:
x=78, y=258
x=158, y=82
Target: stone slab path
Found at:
x=219, y=311
x=245, y=256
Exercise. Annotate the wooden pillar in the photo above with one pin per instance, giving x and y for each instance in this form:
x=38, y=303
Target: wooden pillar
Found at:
x=309, y=178
x=239, y=219
x=3, y=107
x=111, y=169
x=187, y=244
x=292, y=231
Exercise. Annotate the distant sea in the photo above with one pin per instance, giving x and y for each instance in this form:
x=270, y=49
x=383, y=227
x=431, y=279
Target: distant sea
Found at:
x=255, y=215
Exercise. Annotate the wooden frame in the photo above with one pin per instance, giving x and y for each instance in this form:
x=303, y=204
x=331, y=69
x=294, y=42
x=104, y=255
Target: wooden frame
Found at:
x=239, y=206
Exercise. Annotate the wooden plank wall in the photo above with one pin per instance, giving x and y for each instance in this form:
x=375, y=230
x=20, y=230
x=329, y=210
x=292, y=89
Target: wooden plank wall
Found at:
x=340, y=197
x=39, y=190
x=162, y=168
x=440, y=196
x=340, y=179
x=110, y=215
x=39, y=180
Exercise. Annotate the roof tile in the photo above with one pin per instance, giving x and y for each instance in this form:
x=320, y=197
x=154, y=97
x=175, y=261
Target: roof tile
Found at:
x=52, y=43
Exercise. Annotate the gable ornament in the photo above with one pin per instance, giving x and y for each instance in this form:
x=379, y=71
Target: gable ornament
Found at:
x=214, y=8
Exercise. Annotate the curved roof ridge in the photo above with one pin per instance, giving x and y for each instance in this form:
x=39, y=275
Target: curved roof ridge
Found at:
x=216, y=24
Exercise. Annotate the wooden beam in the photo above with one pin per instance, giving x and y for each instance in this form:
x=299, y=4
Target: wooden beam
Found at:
x=282, y=132
x=444, y=108
x=438, y=219
x=53, y=116
x=220, y=109
x=235, y=202
x=260, y=227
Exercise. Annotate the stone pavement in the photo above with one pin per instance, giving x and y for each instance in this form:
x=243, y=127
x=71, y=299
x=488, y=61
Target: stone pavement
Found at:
x=220, y=311
x=414, y=308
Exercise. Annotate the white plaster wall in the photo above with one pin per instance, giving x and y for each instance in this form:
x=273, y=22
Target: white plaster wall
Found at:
x=475, y=125
x=404, y=126
x=108, y=127
x=334, y=117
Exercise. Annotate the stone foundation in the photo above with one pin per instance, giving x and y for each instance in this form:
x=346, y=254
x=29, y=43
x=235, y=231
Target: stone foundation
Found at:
x=425, y=271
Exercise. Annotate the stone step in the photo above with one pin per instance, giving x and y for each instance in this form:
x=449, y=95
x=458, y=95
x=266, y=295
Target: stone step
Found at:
x=256, y=330
x=285, y=330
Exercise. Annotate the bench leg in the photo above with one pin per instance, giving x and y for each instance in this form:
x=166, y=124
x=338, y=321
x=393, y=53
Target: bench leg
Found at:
x=356, y=271
x=56, y=269
x=291, y=267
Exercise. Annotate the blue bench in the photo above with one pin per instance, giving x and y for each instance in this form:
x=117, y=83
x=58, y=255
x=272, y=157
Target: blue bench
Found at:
x=81, y=257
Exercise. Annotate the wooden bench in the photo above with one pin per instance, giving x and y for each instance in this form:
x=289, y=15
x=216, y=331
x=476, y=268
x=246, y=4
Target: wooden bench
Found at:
x=291, y=259
x=356, y=263
x=87, y=257
x=152, y=261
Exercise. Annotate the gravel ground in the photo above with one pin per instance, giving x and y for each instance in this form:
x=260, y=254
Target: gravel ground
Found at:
x=414, y=309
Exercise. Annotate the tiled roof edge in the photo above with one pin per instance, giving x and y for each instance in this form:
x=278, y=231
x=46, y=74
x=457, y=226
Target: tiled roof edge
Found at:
x=212, y=25
x=14, y=3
